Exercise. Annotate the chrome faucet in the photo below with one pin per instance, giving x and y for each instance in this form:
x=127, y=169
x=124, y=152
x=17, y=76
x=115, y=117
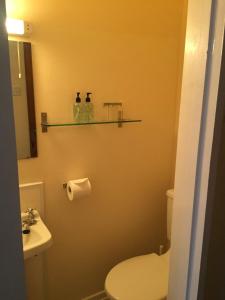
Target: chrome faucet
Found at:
x=30, y=220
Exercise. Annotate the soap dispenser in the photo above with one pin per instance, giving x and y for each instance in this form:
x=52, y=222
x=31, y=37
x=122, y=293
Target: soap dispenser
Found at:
x=77, y=109
x=89, y=109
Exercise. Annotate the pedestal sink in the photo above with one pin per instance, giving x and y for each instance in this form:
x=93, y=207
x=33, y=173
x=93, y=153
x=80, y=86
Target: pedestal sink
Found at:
x=38, y=240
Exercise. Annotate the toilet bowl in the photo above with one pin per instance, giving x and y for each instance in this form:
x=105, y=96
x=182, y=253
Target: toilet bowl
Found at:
x=143, y=277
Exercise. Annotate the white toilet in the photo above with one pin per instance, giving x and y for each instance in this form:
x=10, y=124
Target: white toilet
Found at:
x=143, y=277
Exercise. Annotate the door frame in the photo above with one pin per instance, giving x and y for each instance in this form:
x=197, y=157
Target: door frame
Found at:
x=202, y=61
x=11, y=250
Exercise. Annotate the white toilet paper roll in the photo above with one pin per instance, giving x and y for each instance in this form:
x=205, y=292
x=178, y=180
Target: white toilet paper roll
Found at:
x=79, y=188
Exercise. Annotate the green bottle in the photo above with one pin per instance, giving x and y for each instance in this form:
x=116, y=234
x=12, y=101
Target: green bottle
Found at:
x=88, y=109
x=77, y=114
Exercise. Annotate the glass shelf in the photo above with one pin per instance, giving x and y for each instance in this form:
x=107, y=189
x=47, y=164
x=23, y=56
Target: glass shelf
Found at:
x=45, y=124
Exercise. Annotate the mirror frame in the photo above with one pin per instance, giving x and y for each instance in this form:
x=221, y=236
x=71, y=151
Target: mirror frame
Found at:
x=30, y=98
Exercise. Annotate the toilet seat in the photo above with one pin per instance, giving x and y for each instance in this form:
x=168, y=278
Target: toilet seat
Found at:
x=143, y=277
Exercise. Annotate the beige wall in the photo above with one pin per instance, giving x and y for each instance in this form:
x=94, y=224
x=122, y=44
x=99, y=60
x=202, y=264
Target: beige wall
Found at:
x=120, y=50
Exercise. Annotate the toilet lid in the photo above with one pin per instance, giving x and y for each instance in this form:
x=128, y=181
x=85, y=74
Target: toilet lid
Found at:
x=142, y=277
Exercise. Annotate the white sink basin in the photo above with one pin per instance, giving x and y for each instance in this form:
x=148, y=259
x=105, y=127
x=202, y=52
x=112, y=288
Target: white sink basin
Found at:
x=38, y=240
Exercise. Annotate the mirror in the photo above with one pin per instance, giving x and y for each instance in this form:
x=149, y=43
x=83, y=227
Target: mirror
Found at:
x=23, y=99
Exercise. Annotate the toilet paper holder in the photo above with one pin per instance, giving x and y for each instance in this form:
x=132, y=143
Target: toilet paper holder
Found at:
x=77, y=188
x=64, y=185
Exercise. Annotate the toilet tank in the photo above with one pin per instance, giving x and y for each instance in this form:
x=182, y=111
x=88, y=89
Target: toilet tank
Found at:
x=170, y=196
